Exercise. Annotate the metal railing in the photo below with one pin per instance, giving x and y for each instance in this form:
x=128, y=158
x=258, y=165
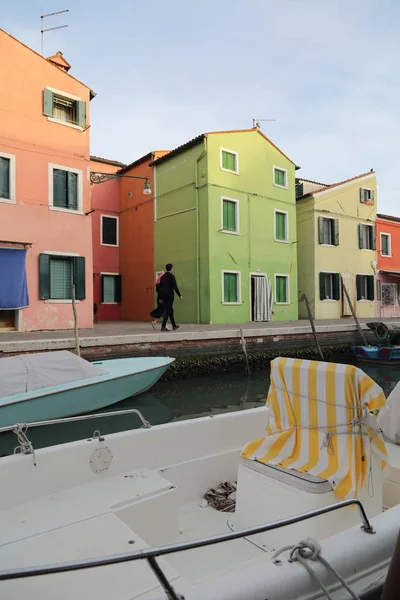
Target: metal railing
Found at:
x=150, y=554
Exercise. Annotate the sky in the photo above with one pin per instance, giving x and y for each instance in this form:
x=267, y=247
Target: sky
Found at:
x=325, y=70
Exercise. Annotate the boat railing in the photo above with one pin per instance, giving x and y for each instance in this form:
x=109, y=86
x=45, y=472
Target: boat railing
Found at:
x=151, y=554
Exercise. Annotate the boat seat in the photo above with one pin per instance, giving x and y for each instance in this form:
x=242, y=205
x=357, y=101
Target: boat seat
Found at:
x=296, y=479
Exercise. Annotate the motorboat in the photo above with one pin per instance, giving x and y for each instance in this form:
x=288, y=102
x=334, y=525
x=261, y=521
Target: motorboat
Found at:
x=386, y=350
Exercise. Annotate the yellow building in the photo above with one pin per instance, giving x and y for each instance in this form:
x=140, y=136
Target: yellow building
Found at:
x=336, y=237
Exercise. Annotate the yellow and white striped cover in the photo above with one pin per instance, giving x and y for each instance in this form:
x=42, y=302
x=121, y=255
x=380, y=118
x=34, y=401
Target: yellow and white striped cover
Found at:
x=310, y=399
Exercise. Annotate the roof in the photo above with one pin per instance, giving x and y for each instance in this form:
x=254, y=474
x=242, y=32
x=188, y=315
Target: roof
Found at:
x=196, y=140
x=334, y=185
x=388, y=218
x=91, y=92
x=107, y=161
x=59, y=60
x=312, y=181
x=152, y=156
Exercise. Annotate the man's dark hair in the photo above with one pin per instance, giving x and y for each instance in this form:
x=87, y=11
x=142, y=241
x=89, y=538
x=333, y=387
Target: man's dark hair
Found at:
x=168, y=267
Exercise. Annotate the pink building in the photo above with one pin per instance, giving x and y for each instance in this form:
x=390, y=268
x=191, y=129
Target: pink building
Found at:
x=45, y=232
x=105, y=230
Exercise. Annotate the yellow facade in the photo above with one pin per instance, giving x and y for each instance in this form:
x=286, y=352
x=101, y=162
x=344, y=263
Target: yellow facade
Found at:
x=334, y=214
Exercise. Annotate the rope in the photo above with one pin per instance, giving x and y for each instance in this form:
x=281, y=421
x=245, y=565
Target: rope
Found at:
x=25, y=445
x=311, y=550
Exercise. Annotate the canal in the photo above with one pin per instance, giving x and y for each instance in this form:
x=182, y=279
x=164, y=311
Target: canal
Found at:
x=176, y=400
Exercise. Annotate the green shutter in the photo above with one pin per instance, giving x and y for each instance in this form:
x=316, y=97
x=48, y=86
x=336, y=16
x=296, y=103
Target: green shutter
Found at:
x=370, y=287
x=72, y=184
x=60, y=278
x=44, y=276
x=361, y=194
x=280, y=226
x=322, y=290
x=279, y=177
x=47, y=103
x=228, y=161
x=60, y=187
x=118, y=289
x=373, y=235
x=320, y=230
x=378, y=290
x=336, y=286
x=360, y=236
x=79, y=277
x=281, y=290
x=336, y=232
x=81, y=113
x=229, y=215
x=230, y=287
x=4, y=177
x=384, y=245
x=358, y=285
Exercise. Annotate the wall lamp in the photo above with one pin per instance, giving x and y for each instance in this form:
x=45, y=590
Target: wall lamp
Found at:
x=96, y=177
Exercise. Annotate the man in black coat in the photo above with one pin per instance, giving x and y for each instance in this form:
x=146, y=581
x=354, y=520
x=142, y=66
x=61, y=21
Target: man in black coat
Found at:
x=167, y=288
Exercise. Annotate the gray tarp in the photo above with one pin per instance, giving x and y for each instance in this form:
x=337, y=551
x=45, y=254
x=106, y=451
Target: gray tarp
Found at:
x=30, y=372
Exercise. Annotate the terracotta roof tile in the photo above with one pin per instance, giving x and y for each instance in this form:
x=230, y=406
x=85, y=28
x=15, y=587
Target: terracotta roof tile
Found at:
x=388, y=218
x=329, y=187
x=107, y=161
x=152, y=156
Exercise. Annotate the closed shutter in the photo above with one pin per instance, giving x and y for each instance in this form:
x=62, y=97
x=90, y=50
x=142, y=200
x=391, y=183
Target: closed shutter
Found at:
x=321, y=230
x=373, y=236
x=281, y=289
x=81, y=113
x=44, y=276
x=60, y=278
x=280, y=226
x=228, y=161
x=370, y=287
x=359, y=286
x=118, y=289
x=79, y=277
x=361, y=194
x=60, y=187
x=230, y=287
x=47, y=103
x=336, y=232
x=373, y=196
x=322, y=290
x=72, y=183
x=4, y=177
x=378, y=290
x=229, y=215
x=280, y=177
x=336, y=286
x=360, y=236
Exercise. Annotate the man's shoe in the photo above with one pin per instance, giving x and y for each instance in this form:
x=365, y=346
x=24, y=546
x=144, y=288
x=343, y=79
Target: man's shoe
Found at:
x=164, y=329
x=154, y=324
x=176, y=327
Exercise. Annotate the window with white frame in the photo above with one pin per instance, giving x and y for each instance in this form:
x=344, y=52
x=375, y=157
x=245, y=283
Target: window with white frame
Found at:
x=281, y=226
x=229, y=161
x=231, y=292
x=230, y=215
x=366, y=237
x=110, y=288
x=109, y=230
x=282, y=289
x=367, y=196
x=65, y=188
x=57, y=274
x=386, y=249
x=64, y=108
x=7, y=177
x=280, y=177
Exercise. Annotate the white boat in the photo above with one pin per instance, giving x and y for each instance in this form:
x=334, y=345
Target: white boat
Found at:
x=50, y=385
x=99, y=503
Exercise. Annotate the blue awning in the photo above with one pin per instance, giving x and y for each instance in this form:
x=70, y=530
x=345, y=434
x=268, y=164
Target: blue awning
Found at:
x=13, y=286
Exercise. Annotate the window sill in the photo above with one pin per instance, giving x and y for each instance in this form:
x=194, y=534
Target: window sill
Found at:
x=328, y=245
x=66, y=210
x=231, y=303
x=109, y=303
x=72, y=125
x=8, y=201
x=229, y=171
x=229, y=232
x=365, y=300
x=109, y=245
x=55, y=301
x=282, y=187
x=282, y=241
x=329, y=300
x=367, y=249
x=282, y=303
x=382, y=255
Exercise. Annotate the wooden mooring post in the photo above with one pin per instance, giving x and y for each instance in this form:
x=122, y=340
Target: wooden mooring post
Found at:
x=311, y=319
x=353, y=312
x=77, y=346
x=243, y=342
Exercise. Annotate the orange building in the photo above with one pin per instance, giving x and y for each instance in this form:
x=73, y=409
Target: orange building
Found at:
x=388, y=277
x=45, y=233
x=105, y=230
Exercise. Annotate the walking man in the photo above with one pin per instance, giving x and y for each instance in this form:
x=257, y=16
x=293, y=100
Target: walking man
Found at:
x=167, y=288
x=158, y=312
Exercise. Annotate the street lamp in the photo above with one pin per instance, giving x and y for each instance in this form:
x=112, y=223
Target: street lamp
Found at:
x=97, y=177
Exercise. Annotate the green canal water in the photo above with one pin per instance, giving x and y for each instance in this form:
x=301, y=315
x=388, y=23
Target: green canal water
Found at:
x=176, y=400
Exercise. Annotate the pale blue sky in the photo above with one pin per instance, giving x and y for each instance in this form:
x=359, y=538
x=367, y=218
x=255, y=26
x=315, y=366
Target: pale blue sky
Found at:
x=326, y=70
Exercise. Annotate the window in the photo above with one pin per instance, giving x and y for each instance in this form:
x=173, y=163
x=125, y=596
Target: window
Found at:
x=367, y=196
x=229, y=161
x=230, y=215
x=366, y=237
x=328, y=231
x=110, y=288
x=57, y=273
x=386, y=244
x=280, y=177
x=365, y=287
x=64, y=108
x=329, y=286
x=231, y=287
x=281, y=289
x=109, y=231
x=281, y=226
x=7, y=177
x=65, y=188
x=389, y=294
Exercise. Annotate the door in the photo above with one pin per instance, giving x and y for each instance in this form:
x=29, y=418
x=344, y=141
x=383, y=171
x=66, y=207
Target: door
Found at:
x=261, y=300
x=7, y=319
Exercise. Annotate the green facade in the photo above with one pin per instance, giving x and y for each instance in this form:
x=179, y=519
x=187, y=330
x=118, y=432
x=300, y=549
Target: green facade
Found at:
x=195, y=227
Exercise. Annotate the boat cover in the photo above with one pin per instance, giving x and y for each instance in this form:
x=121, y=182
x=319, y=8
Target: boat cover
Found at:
x=313, y=406
x=389, y=416
x=30, y=372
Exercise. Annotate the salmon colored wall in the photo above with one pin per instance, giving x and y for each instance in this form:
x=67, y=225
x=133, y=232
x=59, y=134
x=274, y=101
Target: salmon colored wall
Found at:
x=137, y=245
x=35, y=141
x=388, y=263
x=105, y=201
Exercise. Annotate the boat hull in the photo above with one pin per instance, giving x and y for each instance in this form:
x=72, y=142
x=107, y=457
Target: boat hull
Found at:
x=378, y=354
x=86, y=396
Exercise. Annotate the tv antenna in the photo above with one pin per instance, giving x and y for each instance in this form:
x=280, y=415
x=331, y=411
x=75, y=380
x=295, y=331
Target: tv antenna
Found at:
x=42, y=31
x=256, y=122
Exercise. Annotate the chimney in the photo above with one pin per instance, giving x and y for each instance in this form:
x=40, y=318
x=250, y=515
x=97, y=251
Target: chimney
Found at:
x=59, y=61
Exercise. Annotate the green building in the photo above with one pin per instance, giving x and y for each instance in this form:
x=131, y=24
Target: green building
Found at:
x=225, y=216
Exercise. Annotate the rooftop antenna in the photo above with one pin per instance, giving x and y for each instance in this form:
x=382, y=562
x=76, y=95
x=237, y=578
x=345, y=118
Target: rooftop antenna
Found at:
x=256, y=122
x=42, y=31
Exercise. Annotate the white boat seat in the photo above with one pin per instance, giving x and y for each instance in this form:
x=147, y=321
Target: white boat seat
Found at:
x=301, y=481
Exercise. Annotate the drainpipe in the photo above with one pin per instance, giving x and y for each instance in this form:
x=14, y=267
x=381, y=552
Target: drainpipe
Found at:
x=198, y=159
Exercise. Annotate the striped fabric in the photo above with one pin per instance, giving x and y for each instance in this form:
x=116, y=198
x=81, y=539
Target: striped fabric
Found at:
x=314, y=404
